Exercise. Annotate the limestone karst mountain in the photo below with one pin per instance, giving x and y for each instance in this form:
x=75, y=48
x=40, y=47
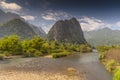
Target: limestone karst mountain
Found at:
x=67, y=31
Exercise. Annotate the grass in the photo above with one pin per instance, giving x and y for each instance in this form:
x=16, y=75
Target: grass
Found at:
x=61, y=54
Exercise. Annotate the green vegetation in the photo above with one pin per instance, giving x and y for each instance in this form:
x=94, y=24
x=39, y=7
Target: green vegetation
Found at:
x=109, y=56
x=36, y=47
x=61, y=54
x=2, y=56
x=117, y=74
x=105, y=36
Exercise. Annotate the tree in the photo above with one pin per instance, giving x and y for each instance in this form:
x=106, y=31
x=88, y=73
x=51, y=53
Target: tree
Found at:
x=117, y=75
x=12, y=44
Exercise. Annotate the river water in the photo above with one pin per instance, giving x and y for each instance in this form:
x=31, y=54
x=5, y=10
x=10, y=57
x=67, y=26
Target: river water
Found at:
x=87, y=64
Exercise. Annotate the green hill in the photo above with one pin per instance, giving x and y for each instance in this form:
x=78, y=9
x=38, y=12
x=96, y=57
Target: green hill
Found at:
x=105, y=36
x=17, y=27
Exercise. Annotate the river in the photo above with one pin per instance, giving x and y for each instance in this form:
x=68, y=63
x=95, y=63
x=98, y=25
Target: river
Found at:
x=88, y=64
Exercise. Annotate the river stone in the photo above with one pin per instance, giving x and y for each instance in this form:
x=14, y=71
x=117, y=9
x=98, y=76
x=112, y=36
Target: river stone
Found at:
x=71, y=71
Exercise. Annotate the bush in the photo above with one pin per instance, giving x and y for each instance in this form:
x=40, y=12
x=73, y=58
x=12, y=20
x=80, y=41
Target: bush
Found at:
x=11, y=44
x=6, y=53
x=34, y=43
x=104, y=48
x=56, y=51
x=84, y=48
x=32, y=53
x=110, y=65
x=102, y=56
x=2, y=56
x=62, y=54
x=117, y=75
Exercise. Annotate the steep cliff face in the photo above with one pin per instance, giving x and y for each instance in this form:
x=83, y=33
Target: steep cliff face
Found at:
x=67, y=31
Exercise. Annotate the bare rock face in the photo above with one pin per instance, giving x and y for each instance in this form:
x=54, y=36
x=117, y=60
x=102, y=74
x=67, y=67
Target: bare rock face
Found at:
x=67, y=31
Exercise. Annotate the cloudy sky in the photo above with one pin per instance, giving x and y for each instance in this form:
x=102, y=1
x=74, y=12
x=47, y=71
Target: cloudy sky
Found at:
x=92, y=14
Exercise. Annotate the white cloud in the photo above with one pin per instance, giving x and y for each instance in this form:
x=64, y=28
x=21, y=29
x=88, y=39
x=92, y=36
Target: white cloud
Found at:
x=118, y=24
x=54, y=15
x=89, y=24
x=9, y=6
x=28, y=17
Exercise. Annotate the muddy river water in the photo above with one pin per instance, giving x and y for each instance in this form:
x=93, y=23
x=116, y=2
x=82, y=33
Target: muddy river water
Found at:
x=87, y=64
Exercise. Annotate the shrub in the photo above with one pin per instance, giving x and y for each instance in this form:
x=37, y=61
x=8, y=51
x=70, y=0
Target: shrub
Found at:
x=62, y=54
x=11, y=44
x=110, y=64
x=2, y=56
x=104, y=48
x=32, y=53
x=102, y=56
x=37, y=54
x=117, y=75
x=56, y=51
x=6, y=53
x=84, y=48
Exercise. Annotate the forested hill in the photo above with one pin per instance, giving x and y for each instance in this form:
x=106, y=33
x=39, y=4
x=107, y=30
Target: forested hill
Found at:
x=17, y=27
x=105, y=36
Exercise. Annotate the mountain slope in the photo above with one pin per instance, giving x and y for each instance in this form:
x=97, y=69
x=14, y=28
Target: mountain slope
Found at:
x=67, y=31
x=4, y=17
x=105, y=36
x=39, y=31
x=18, y=27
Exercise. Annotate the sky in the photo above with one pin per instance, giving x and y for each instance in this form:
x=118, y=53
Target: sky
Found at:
x=92, y=14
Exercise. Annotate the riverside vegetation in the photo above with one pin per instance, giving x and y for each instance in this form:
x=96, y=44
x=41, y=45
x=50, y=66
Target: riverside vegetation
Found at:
x=110, y=57
x=36, y=47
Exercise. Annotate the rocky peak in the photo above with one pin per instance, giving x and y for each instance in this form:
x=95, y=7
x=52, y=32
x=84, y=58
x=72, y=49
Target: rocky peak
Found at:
x=67, y=31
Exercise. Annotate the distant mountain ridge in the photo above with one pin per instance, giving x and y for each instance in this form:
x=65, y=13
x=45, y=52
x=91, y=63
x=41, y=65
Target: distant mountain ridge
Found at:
x=7, y=16
x=105, y=36
x=67, y=31
x=11, y=23
x=39, y=31
x=16, y=27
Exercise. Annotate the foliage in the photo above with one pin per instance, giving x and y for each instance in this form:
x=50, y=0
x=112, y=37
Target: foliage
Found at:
x=12, y=44
x=2, y=56
x=61, y=54
x=35, y=47
x=32, y=53
x=104, y=48
x=109, y=55
x=117, y=75
x=110, y=65
x=85, y=48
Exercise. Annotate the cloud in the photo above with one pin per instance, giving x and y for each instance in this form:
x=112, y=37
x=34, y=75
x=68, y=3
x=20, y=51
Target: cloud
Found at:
x=54, y=15
x=118, y=23
x=28, y=17
x=10, y=6
x=89, y=24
